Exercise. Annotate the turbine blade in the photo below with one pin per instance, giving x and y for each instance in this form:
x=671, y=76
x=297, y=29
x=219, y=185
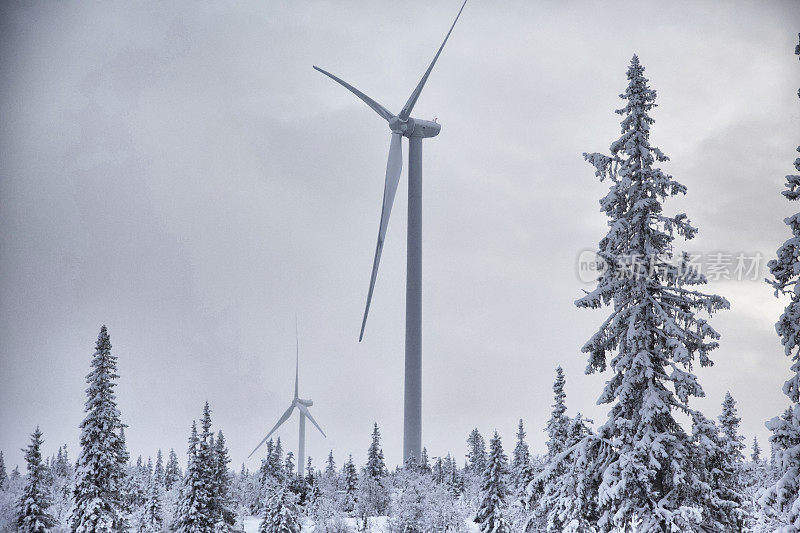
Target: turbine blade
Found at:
x=394, y=167
x=297, y=360
x=304, y=410
x=281, y=420
x=378, y=108
x=412, y=100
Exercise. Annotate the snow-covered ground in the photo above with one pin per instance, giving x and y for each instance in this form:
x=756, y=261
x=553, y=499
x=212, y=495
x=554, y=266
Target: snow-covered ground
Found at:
x=377, y=525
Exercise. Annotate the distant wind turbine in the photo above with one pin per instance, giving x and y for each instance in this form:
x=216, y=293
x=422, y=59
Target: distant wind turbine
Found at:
x=302, y=406
x=403, y=125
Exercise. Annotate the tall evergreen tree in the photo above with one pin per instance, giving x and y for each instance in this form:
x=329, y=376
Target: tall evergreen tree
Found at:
x=784, y=496
x=289, y=465
x=172, y=472
x=373, y=497
x=100, y=467
x=277, y=466
x=376, y=466
x=563, y=497
x=192, y=515
x=733, y=443
x=476, y=452
x=521, y=468
x=558, y=424
x=424, y=462
x=330, y=465
x=714, y=476
x=152, y=517
x=756, y=457
x=493, y=491
x=330, y=469
x=350, y=485
x=33, y=515
x=221, y=505
x=158, y=470
x=653, y=334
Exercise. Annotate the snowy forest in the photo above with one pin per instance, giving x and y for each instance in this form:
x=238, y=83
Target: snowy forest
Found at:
x=656, y=464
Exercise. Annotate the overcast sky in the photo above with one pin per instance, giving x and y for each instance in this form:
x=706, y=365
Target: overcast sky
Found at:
x=178, y=172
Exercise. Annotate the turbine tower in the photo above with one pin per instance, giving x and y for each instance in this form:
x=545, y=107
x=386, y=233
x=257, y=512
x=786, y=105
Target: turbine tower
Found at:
x=302, y=406
x=403, y=125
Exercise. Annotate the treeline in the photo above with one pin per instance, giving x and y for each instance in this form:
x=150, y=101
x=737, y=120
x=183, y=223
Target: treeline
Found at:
x=520, y=492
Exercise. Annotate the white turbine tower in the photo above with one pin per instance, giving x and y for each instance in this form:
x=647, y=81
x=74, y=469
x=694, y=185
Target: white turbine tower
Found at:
x=302, y=406
x=403, y=125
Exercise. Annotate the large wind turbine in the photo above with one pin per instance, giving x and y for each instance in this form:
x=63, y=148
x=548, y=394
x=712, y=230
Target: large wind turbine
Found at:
x=403, y=125
x=302, y=406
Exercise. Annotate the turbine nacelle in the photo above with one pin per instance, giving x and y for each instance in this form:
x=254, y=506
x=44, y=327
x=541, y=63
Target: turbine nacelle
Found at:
x=414, y=127
x=307, y=403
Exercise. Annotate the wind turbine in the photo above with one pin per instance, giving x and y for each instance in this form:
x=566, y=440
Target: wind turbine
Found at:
x=403, y=125
x=302, y=406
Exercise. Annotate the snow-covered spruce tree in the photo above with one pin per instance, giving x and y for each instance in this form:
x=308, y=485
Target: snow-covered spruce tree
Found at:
x=521, y=468
x=493, y=491
x=373, y=494
x=330, y=467
x=653, y=334
x=135, y=487
x=204, y=503
x=100, y=467
x=280, y=512
x=172, y=472
x=756, y=456
x=474, y=466
x=424, y=462
x=376, y=466
x=451, y=476
x=158, y=469
x=782, y=500
x=276, y=463
x=62, y=480
x=408, y=497
x=557, y=426
x=715, y=484
x=476, y=452
x=563, y=497
x=437, y=470
x=330, y=477
x=193, y=502
x=221, y=505
x=729, y=420
x=9, y=500
x=33, y=515
x=272, y=471
x=350, y=485
x=552, y=498
x=289, y=465
x=152, y=516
